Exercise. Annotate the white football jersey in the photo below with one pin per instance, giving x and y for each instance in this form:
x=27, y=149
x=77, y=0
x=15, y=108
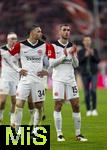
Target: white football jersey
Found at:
x=7, y=72
x=31, y=56
x=64, y=71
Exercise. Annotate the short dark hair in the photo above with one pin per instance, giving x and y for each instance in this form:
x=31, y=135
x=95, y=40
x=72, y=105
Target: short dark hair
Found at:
x=64, y=25
x=33, y=27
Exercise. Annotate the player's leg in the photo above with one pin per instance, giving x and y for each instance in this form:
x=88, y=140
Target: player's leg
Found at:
x=2, y=106
x=4, y=91
x=38, y=112
x=58, y=95
x=38, y=97
x=12, y=111
x=73, y=95
x=37, y=116
x=12, y=93
x=45, y=83
x=22, y=94
x=31, y=109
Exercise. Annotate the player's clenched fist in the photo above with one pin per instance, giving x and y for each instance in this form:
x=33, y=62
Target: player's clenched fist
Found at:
x=42, y=73
x=23, y=72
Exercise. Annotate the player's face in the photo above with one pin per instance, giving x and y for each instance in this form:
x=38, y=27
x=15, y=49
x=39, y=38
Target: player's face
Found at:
x=65, y=32
x=11, y=41
x=36, y=33
x=87, y=41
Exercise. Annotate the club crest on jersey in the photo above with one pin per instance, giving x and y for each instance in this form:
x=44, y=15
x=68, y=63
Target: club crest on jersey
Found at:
x=56, y=93
x=39, y=52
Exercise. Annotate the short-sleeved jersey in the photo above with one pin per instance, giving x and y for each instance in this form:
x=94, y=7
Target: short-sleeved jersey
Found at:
x=63, y=72
x=31, y=56
x=7, y=72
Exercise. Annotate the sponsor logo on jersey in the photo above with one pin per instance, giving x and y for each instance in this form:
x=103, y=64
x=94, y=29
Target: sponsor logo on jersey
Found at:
x=25, y=52
x=33, y=59
x=66, y=61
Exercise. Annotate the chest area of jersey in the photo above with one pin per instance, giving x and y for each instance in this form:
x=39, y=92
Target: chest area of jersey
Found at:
x=33, y=54
x=59, y=51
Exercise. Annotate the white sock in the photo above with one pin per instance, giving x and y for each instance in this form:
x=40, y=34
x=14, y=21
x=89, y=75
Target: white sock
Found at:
x=31, y=116
x=58, y=122
x=12, y=118
x=18, y=117
x=77, y=122
x=1, y=114
x=36, y=117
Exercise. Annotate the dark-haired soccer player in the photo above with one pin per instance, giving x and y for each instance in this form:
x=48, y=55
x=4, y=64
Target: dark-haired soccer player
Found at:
x=32, y=52
x=63, y=60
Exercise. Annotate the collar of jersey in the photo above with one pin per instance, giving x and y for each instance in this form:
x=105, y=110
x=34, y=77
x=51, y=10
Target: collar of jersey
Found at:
x=32, y=43
x=65, y=45
x=8, y=47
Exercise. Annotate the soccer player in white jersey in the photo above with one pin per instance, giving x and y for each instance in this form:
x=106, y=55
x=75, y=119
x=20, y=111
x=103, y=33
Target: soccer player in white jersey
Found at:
x=32, y=52
x=9, y=77
x=45, y=82
x=63, y=60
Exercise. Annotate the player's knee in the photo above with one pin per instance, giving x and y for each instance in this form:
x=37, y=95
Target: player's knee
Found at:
x=20, y=103
x=13, y=103
x=2, y=99
x=2, y=104
x=58, y=106
x=76, y=108
x=30, y=105
x=75, y=105
x=38, y=105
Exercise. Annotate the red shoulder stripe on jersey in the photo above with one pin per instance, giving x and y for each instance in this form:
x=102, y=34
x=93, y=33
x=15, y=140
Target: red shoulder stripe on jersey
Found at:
x=15, y=49
x=50, y=51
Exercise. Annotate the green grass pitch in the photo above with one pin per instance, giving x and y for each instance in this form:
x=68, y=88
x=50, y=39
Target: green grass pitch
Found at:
x=94, y=128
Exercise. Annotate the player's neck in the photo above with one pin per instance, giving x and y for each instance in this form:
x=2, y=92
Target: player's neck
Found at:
x=9, y=46
x=63, y=41
x=32, y=41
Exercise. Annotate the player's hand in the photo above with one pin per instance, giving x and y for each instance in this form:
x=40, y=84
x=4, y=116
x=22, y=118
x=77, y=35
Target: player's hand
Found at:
x=23, y=72
x=73, y=50
x=42, y=73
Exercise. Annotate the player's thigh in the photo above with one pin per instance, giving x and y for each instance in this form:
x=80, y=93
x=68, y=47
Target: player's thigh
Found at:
x=72, y=91
x=58, y=90
x=4, y=87
x=38, y=92
x=23, y=90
